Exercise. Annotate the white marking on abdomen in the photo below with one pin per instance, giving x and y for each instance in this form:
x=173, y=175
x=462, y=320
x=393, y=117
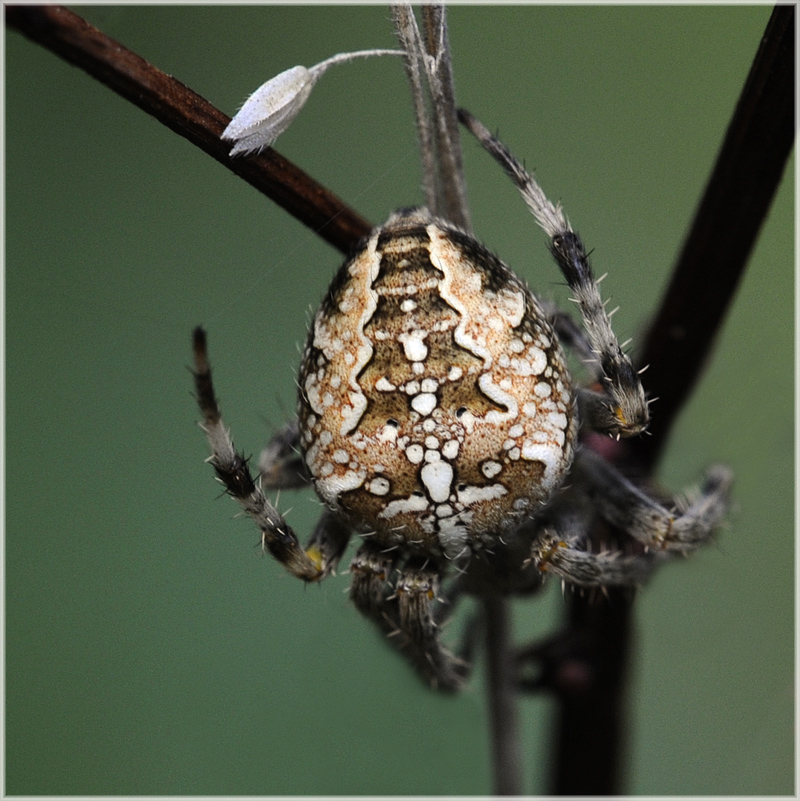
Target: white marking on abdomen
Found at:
x=438, y=479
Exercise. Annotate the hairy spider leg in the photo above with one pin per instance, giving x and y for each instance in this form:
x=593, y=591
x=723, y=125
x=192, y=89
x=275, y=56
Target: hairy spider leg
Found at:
x=405, y=603
x=558, y=548
x=622, y=410
x=329, y=540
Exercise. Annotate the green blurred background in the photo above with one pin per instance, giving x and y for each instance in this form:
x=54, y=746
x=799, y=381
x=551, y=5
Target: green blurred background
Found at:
x=150, y=648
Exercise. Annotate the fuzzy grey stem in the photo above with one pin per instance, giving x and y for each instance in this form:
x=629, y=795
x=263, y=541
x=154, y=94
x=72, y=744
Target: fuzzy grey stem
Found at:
x=502, y=695
x=409, y=37
x=435, y=111
x=452, y=184
x=342, y=58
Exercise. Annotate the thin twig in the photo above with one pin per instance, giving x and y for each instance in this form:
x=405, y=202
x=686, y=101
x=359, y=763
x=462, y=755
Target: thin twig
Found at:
x=445, y=189
x=451, y=197
x=502, y=697
x=189, y=115
x=451, y=192
x=435, y=110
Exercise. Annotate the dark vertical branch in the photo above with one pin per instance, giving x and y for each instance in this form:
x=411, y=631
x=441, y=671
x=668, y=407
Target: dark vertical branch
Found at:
x=185, y=112
x=590, y=717
x=590, y=683
x=736, y=202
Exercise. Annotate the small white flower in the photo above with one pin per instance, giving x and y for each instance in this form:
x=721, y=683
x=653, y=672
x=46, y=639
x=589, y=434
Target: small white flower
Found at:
x=271, y=109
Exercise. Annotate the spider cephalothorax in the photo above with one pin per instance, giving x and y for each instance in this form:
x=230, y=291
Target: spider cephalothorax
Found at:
x=437, y=420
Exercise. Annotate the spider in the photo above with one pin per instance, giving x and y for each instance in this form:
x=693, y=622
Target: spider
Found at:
x=438, y=421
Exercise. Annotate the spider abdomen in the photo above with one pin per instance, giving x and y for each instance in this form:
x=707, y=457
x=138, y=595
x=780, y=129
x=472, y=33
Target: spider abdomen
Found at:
x=435, y=405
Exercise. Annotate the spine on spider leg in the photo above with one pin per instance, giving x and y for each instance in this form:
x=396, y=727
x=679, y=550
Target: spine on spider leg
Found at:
x=232, y=470
x=627, y=413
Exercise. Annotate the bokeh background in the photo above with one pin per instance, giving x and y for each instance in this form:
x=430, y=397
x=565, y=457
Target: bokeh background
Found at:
x=150, y=648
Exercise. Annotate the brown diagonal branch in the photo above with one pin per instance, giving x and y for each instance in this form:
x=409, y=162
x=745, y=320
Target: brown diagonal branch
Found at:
x=189, y=115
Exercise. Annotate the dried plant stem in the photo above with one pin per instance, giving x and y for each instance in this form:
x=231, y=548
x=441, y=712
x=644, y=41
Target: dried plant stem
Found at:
x=428, y=54
x=453, y=185
x=446, y=195
x=409, y=37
